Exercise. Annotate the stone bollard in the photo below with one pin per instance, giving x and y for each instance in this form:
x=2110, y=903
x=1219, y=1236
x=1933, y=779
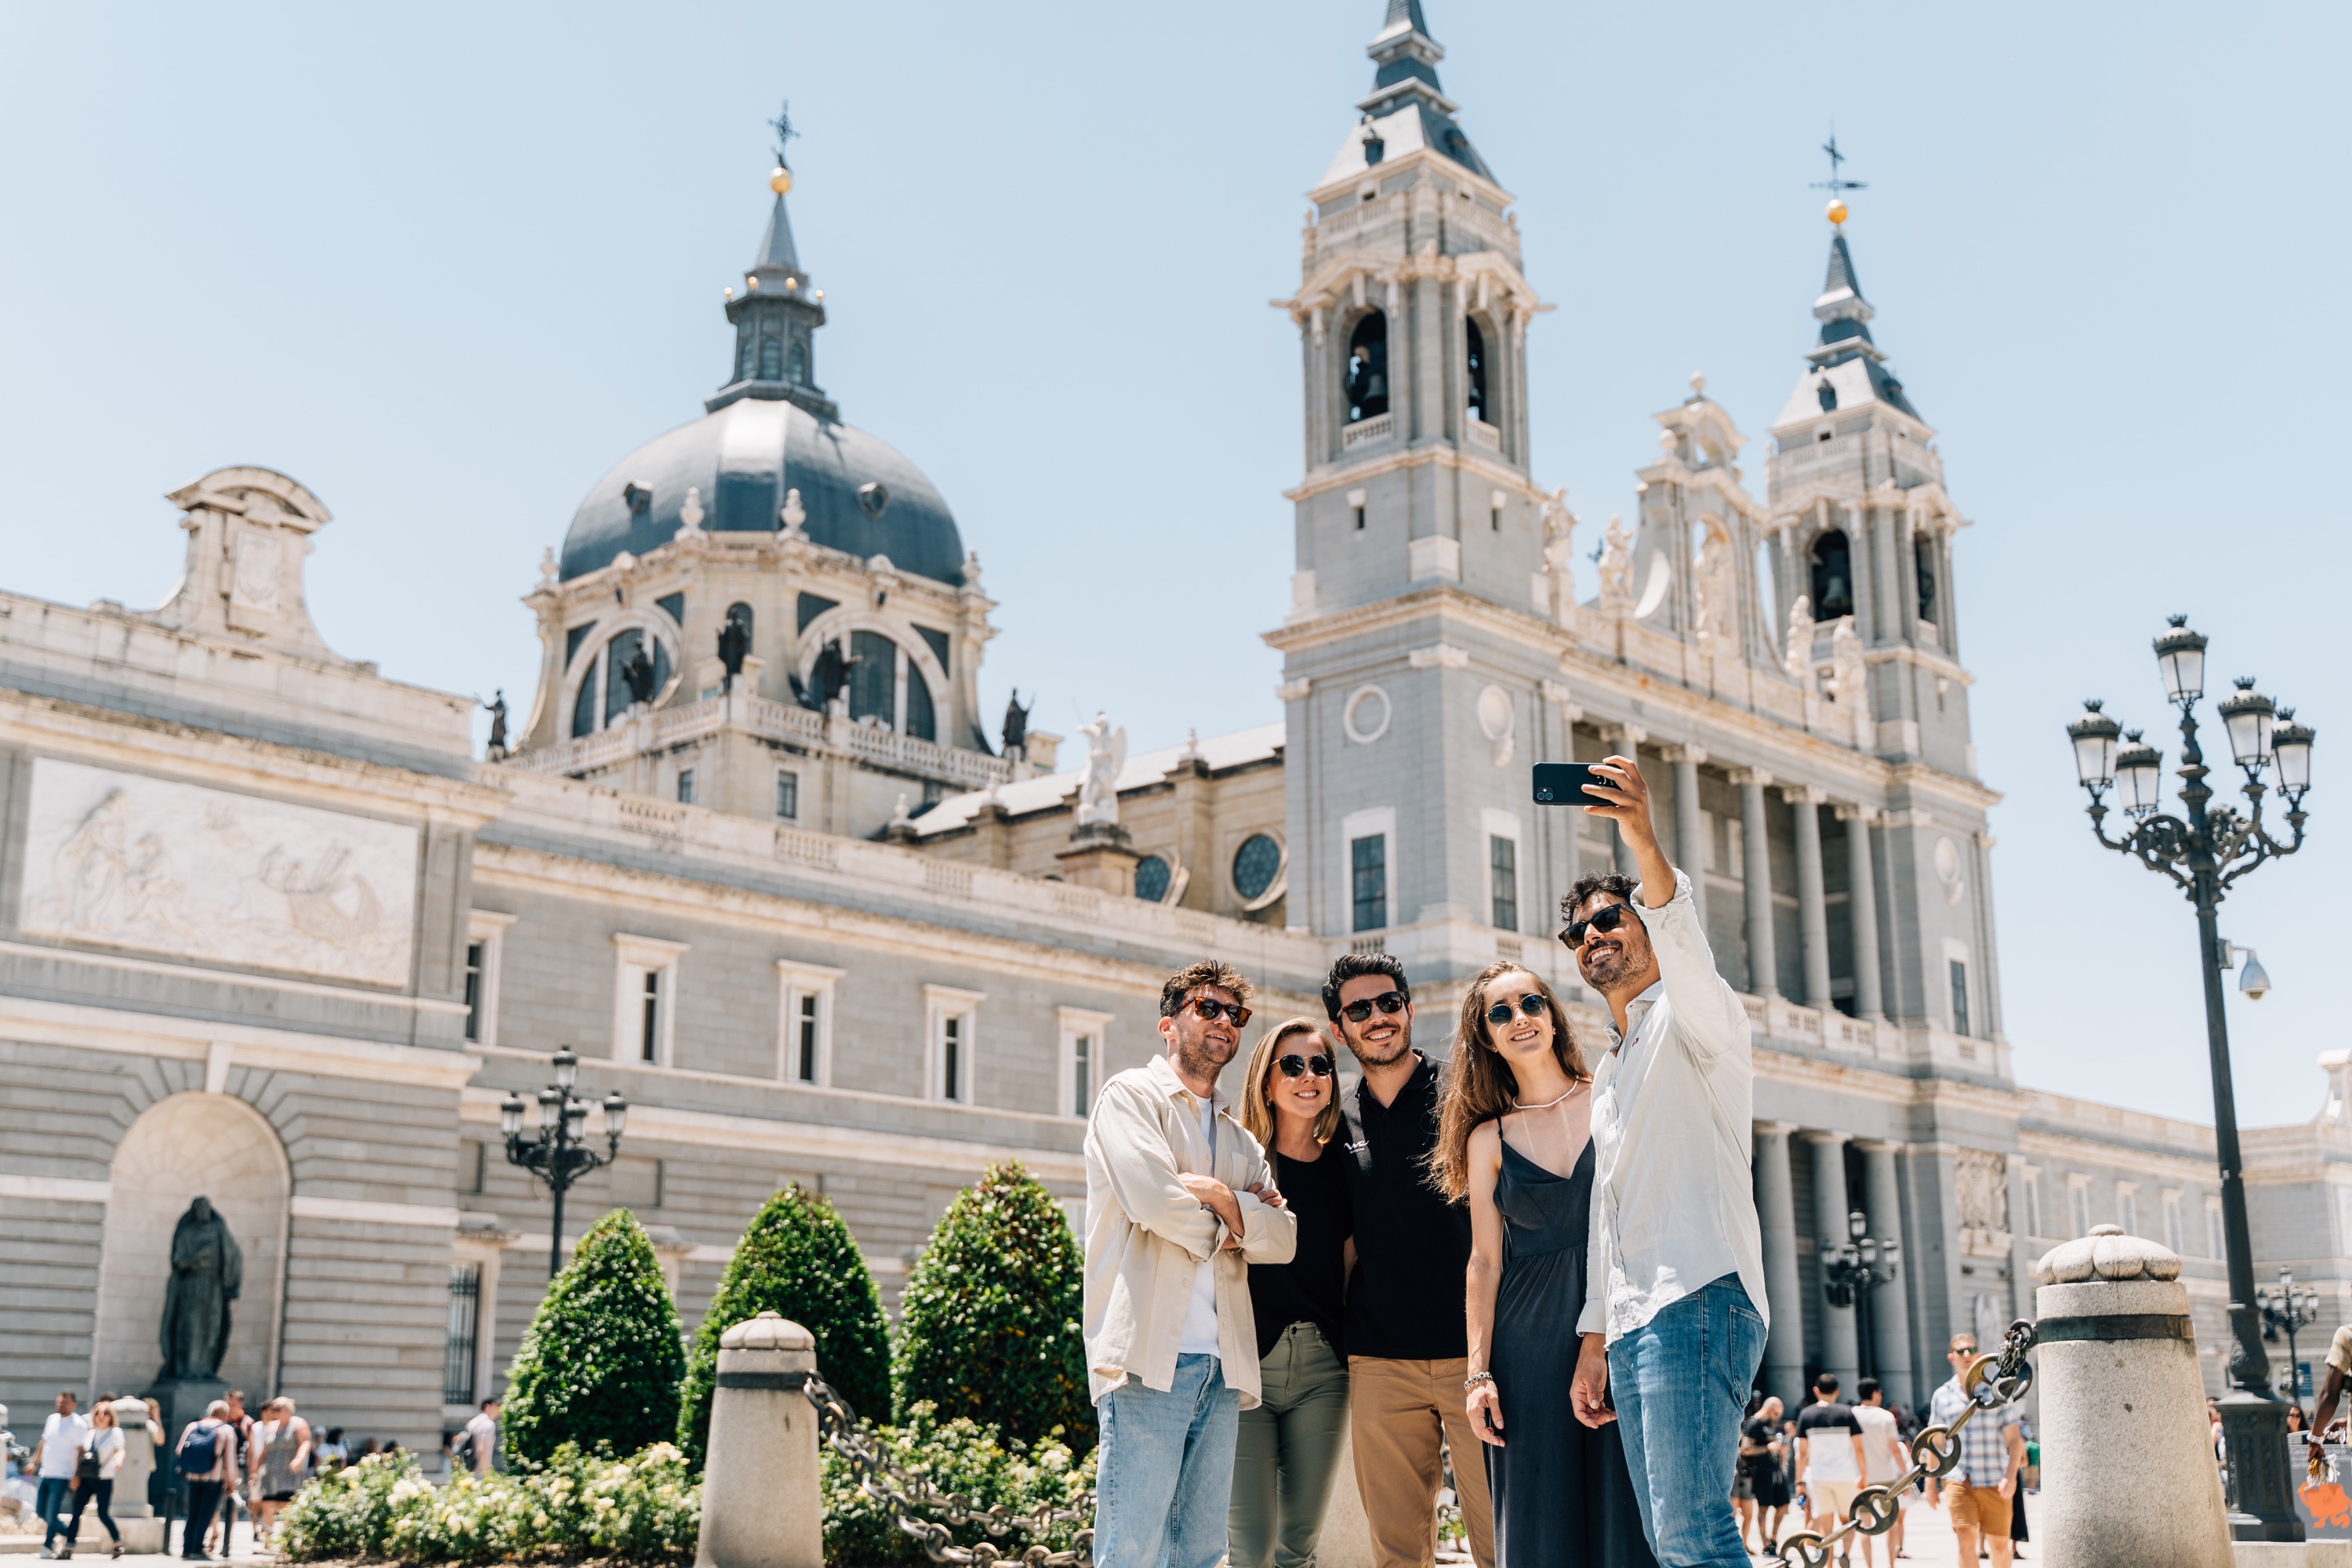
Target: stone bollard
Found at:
x=760, y=1506
x=133, y=1515
x=2127, y=1473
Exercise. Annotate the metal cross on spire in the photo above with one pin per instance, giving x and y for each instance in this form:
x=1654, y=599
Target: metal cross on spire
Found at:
x=783, y=126
x=1835, y=183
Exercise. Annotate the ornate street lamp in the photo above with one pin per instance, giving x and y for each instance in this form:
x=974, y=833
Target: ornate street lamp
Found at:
x=558, y=1153
x=2285, y=1310
x=2205, y=850
x=1852, y=1271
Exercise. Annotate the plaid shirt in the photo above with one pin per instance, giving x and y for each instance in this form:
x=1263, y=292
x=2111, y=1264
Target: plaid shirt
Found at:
x=1984, y=1445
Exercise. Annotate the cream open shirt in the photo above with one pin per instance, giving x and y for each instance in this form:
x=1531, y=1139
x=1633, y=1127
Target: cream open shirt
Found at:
x=1673, y=1206
x=1146, y=1235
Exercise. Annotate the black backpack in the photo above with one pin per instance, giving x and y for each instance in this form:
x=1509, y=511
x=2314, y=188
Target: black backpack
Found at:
x=199, y=1451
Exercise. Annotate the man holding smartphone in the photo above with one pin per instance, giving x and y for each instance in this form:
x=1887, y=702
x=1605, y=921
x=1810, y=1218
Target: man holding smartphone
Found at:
x=1673, y=1317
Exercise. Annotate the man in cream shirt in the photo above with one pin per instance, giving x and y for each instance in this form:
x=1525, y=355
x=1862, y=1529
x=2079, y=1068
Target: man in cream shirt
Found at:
x=1179, y=1202
x=1673, y=1314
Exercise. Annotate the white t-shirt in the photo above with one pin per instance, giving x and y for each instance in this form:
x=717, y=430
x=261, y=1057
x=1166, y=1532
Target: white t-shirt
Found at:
x=1200, y=1334
x=484, y=1431
x=1878, y=1441
x=62, y=1437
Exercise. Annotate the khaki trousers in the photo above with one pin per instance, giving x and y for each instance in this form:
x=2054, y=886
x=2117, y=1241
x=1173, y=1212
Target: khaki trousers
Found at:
x=1400, y=1413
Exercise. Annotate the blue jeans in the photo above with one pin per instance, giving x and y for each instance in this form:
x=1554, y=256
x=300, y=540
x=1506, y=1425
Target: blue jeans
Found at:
x=53, y=1499
x=1164, y=1475
x=1683, y=1379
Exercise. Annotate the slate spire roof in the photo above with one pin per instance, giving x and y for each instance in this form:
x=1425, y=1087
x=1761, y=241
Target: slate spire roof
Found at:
x=1845, y=316
x=1405, y=83
x=777, y=254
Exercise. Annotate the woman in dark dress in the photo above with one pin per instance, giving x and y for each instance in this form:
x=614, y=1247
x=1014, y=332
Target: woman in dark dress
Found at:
x=1514, y=1139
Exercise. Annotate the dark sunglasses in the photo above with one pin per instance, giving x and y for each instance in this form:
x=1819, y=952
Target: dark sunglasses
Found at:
x=1211, y=1010
x=1606, y=919
x=1533, y=1004
x=1292, y=1065
x=1387, y=1001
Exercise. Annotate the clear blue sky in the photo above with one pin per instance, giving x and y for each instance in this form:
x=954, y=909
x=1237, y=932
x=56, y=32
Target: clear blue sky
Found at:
x=447, y=263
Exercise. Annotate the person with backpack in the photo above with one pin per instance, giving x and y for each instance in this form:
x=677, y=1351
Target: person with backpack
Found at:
x=206, y=1461
x=478, y=1446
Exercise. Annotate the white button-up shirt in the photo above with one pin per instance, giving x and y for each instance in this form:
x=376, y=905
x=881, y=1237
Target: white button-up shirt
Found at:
x=1673, y=1104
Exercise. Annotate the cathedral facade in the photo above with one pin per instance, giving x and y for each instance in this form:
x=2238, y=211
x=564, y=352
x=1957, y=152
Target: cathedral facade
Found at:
x=272, y=932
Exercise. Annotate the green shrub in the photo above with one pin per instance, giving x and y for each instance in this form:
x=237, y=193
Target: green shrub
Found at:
x=642, y=1509
x=601, y=1362
x=989, y=1327
x=798, y=1260
x=957, y=1456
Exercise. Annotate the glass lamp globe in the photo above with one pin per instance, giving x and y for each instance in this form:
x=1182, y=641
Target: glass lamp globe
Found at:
x=511, y=1116
x=567, y=1068
x=2290, y=749
x=2093, y=735
x=575, y=1119
x=616, y=1115
x=551, y=1109
x=2181, y=655
x=2139, y=775
x=2247, y=714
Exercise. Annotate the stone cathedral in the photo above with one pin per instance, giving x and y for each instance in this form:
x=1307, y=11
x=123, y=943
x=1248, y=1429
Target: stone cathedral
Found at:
x=757, y=854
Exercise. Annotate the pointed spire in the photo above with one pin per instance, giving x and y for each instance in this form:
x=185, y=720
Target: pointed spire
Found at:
x=1404, y=15
x=1845, y=316
x=777, y=314
x=776, y=252
x=1406, y=82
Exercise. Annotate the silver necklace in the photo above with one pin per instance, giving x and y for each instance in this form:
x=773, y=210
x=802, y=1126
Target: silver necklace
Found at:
x=1548, y=1104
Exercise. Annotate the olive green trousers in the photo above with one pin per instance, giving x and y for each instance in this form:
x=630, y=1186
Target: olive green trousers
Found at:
x=1288, y=1456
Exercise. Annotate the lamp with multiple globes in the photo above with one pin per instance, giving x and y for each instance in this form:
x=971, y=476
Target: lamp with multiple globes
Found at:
x=2204, y=849
x=1851, y=1272
x=558, y=1154
x=2285, y=1310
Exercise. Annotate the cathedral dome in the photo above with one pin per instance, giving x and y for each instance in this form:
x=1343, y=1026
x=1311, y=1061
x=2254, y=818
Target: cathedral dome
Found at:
x=859, y=494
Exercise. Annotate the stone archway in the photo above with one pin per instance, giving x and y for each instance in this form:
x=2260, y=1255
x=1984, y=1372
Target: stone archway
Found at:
x=183, y=1146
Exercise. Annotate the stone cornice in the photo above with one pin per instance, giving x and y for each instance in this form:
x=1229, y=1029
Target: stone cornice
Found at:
x=1345, y=475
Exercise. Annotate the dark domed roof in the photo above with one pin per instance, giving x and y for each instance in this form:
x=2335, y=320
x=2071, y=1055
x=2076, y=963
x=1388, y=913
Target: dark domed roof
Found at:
x=743, y=458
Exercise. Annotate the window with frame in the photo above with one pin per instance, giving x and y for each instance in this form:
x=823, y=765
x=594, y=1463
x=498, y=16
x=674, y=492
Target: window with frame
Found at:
x=805, y=1005
x=2031, y=1183
x=954, y=1017
x=1082, y=1063
x=1960, y=977
x=686, y=786
x=2078, y=1200
x=646, y=997
x=465, y=1328
x=2172, y=1236
x=2217, y=1241
x=788, y=795
x=2127, y=1207
x=1503, y=870
x=485, y=947
x=478, y=954
x=1367, y=873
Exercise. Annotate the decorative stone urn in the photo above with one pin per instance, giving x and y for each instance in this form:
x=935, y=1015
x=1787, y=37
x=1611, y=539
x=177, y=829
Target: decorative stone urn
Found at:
x=2129, y=1476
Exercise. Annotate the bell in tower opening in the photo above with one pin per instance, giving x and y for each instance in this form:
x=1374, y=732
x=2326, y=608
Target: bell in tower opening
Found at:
x=1832, y=576
x=1368, y=368
x=1476, y=345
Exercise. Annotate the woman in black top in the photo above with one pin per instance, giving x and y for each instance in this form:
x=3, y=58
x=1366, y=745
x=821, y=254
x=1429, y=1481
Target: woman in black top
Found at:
x=1288, y=1456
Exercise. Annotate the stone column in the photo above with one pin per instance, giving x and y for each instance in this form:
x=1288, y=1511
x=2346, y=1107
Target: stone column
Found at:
x=1813, y=903
x=1763, y=968
x=1690, y=828
x=1890, y=1315
x=1861, y=878
x=1776, y=1208
x=1841, y=1353
x=1624, y=740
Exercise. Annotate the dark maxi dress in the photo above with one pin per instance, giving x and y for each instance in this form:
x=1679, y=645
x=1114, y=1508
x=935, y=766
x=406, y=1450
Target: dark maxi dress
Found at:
x=1562, y=1499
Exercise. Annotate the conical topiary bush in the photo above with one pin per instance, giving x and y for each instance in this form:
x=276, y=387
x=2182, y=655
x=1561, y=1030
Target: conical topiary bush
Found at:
x=601, y=1362
x=989, y=1327
x=799, y=1261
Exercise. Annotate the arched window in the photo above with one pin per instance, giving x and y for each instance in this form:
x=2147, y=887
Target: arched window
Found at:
x=607, y=672
x=1368, y=368
x=583, y=707
x=1923, y=555
x=772, y=360
x=1476, y=365
x=800, y=364
x=874, y=679
x=921, y=722
x=743, y=358
x=1832, y=576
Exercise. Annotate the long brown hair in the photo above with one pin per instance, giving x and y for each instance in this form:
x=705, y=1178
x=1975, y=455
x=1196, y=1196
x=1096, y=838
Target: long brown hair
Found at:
x=1257, y=1115
x=1479, y=1084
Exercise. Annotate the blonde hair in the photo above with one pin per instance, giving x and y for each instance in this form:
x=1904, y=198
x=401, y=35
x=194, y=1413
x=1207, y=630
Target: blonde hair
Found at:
x=1479, y=1084
x=1257, y=1115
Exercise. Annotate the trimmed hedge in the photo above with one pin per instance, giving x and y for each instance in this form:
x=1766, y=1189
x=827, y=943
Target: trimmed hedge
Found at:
x=642, y=1509
x=989, y=1327
x=600, y=1363
x=799, y=1261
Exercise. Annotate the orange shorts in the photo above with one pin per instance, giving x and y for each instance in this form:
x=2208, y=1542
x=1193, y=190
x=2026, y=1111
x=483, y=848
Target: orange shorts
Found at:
x=1980, y=1509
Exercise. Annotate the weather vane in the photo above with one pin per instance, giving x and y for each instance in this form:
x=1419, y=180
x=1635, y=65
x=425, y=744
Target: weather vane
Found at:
x=1837, y=185
x=783, y=126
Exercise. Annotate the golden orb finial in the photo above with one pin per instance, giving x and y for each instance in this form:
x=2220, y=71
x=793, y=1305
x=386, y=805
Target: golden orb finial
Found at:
x=1836, y=213
x=780, y=179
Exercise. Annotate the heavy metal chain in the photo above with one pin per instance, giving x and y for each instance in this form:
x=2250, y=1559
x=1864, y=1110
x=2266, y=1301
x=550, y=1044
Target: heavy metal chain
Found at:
x=1991, y=1382
x=903, y=1492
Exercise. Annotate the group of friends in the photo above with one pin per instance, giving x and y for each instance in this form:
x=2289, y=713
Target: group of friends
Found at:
x=1547, y=1266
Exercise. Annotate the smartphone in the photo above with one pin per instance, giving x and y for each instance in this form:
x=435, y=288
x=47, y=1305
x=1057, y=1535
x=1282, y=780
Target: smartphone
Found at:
x=1562, y=783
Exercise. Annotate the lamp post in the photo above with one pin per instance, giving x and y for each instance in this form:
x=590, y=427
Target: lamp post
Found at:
x=558, y=1153
x=2204, y=851
x=1852, y=1271
x=2285, y=1310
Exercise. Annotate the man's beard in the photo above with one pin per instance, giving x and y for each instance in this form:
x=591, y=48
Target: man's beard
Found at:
x=1397, y=1048
x=1199, y=1059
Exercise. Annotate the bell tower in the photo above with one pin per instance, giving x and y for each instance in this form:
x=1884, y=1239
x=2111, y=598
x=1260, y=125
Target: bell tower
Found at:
x=1416, y=640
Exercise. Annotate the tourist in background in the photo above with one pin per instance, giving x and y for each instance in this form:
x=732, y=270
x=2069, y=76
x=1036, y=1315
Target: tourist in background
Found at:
x=158, y=1483
x=102, y=1453
x=206, y=1458
x=281, y=1462
x=1829, y=1455
x=1515, y=1140
x=234, y=1485
x=1179, y=1200
x=1992, y=1452
x=53, y=1462
x=1882, y=1460
x=479, y=1448
x=1760, y=1454
x=1408, y=1350
x=1674, y=1326
x=1288, y=1453
x=2324, y=1419
x=333, y=1453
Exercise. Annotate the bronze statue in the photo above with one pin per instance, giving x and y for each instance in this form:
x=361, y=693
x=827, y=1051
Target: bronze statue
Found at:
x=498, y=724
x=1016, y=723
x=734, y=643
x=207, y=1272
x=637, y=672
